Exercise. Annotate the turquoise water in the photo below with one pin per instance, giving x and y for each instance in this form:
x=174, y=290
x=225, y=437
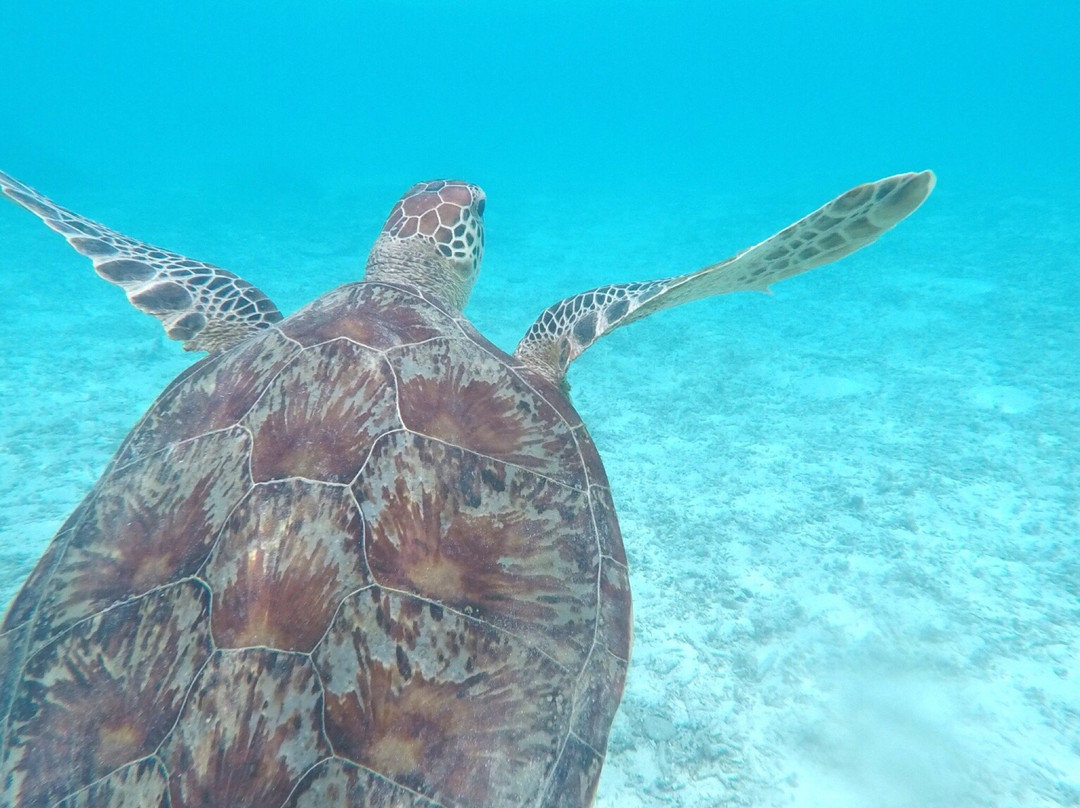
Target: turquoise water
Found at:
x=851, y=508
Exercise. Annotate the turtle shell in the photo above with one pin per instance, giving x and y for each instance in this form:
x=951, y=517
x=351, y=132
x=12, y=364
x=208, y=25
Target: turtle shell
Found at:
x=362, y=559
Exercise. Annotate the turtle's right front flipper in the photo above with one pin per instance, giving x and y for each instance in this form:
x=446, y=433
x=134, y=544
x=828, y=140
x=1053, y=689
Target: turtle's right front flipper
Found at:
x=851, y=221
x=207, y=307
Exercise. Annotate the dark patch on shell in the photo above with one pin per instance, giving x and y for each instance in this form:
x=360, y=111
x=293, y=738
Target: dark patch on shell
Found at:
x=403, y=665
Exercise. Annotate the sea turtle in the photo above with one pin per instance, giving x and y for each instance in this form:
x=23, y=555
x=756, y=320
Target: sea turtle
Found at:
x=358, y=556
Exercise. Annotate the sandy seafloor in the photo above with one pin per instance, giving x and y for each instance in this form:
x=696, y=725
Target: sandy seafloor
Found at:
x=851, y=508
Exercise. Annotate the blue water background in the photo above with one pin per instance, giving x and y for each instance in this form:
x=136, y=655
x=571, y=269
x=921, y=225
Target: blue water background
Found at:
x=616, y=142
x=646, y=95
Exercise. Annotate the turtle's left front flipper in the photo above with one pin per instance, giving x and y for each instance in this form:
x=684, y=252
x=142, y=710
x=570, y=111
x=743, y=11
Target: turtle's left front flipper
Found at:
x=847, y=223
x=207, y=307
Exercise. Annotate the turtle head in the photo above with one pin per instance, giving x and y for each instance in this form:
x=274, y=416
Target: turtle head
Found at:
x=433, y=239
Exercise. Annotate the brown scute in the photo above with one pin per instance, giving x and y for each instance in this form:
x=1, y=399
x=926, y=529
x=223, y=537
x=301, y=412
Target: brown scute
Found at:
x=287, y=556
x=616, y=625
x=105, y=694
x=33, y=589
x=372, y=314
x=491, y=540
x=590, y=455
x=573, y=784
x=450, y=214
x=429, y=223
x=153, y=523
x=419, y=203
x=211, y=395
x=456, y=194
x=12, y=644
x=551, y=393
x=599, y=691
x=141, y=785
x=454, y=391
x=607, y=525
x=122, y=270
x=336, y=782
x=247, y=733
x=319, y=417
x=162, y=298
x=396, y=215
x=478, y=722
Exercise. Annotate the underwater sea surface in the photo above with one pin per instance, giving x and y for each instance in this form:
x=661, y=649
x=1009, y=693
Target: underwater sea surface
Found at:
x=851, y=508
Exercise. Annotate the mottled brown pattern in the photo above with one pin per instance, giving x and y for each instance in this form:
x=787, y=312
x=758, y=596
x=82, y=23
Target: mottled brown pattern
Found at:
x=464, y=694
x=248, y=732
x=616, y=624
x=549, y=391
x=456, y=392
x=443, y=704
x=12, y=643
x=512, y=363
x=336, y=782
x=373, y=314
x=287, y=556
x=489, y=539
x=104, y=694
x=594, y=466
x=573, y=785
x=33, y=589
x=597, y=697
x=141, y=785
x=152, y=522
x=607, y=526
x=323, y=429
x=213, y=394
